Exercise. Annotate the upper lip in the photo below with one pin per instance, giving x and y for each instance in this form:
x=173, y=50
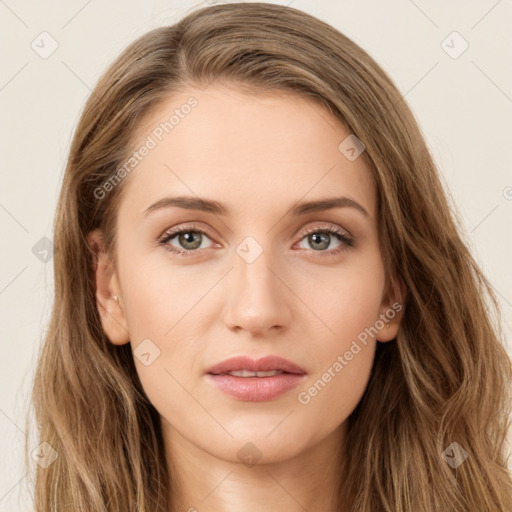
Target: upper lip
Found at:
x=264, y=364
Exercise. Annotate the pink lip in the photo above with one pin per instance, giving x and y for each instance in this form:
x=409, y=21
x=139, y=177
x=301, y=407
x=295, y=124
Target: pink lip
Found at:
x=256, y=389
x=264, y=364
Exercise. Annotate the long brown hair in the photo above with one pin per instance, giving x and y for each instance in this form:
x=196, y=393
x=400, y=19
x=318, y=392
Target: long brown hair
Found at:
x=443, y=380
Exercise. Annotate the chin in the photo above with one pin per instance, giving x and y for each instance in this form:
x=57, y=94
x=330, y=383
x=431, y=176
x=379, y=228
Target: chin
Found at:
x=250, y=447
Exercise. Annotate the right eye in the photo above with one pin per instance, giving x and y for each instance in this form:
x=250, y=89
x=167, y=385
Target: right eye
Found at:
x=189, y=238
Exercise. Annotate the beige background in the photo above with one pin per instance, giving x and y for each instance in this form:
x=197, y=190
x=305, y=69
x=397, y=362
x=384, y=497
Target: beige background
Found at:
x=462, y=102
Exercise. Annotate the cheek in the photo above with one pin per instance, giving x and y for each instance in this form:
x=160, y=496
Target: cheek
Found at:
x=164, y=313
x=344, y=302
x=335, y=391
x=159, y=296
x=342, y=346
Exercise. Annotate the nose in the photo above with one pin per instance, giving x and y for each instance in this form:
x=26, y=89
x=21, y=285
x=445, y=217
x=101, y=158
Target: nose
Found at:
x=258, y=300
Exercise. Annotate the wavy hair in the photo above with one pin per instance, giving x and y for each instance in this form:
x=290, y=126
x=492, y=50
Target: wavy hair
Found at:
x=444, y=379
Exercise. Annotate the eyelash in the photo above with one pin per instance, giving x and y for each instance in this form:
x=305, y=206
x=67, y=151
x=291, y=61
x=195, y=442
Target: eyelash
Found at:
x=347, y=241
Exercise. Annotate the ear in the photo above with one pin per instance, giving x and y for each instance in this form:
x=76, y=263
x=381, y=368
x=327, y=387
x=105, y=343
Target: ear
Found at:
x=392, y=309
x=106, y=283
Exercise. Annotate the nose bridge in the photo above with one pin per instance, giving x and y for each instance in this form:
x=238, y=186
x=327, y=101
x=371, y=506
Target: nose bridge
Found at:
x=257, y=300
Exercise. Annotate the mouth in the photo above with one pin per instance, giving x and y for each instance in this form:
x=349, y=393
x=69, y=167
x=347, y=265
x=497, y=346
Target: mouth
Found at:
x=248, y=373
x=245, y=366
x=258, y=380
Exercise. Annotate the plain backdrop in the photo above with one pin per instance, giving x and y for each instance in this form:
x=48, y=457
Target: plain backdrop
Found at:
x=451, y=61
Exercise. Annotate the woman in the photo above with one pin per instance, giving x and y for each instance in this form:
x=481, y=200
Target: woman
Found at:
x=262, y=299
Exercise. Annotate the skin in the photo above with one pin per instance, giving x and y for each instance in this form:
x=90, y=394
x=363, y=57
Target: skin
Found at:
x=259, y=155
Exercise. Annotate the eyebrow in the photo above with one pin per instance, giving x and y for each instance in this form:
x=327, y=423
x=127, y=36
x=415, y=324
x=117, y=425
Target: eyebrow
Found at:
x=211, y=206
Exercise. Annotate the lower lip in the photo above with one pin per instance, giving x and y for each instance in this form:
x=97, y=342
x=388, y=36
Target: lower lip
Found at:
x=256, y=389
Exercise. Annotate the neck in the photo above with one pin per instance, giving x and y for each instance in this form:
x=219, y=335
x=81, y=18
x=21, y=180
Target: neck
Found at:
x=202, y=482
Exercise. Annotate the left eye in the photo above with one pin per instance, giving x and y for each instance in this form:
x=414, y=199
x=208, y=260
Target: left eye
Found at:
x=321, y=240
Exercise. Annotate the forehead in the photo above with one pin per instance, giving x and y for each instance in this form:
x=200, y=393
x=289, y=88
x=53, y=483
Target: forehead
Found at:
x=251, y=151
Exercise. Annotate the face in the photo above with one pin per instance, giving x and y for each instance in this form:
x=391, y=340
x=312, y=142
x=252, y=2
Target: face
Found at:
x=249, y=262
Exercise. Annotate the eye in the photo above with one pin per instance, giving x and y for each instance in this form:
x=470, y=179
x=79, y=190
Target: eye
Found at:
x=188, y=238
x=320, y=239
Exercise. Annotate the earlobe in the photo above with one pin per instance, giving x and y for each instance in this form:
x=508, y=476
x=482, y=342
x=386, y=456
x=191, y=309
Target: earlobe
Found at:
x=389, y=330
x=106, y=287
x=392, y=310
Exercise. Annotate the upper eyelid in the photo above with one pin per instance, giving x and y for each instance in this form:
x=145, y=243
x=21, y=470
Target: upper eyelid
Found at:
x=171, y=232
x=328, y=227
